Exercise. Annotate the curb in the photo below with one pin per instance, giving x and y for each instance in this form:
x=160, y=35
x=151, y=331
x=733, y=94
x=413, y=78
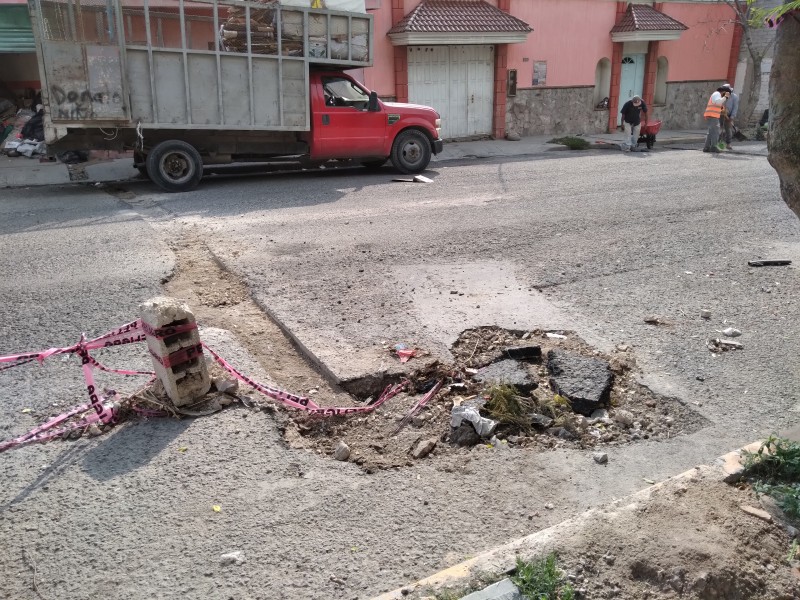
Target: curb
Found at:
x=502, y=559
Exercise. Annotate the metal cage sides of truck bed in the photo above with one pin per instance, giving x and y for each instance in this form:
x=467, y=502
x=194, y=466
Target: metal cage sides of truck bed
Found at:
x=188, y=64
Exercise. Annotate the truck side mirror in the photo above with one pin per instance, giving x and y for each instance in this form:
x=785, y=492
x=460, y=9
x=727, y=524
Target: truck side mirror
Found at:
x=373, y=105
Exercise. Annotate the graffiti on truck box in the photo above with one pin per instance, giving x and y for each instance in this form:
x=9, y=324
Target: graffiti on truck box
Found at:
x=81, y=104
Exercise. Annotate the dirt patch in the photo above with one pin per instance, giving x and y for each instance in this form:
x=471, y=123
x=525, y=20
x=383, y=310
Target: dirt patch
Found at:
x=690, y=537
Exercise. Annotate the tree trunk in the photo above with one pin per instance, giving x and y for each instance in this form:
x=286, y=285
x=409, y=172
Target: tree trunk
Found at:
x=784, y=110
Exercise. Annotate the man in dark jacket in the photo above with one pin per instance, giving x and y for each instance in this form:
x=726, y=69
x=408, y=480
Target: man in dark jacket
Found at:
x=632, y=122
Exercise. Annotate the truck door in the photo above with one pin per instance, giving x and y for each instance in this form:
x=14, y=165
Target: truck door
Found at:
x=343, y=127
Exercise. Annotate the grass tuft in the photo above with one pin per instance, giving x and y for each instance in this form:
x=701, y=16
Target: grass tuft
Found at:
x=572, y=142
x=506, y=406
x=542, y=580
x=775, y=471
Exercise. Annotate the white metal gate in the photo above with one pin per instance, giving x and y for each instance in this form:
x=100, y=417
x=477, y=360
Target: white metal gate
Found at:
x=458, y=81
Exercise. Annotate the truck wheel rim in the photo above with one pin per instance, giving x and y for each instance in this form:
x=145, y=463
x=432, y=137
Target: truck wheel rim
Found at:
x=177, y=167
x=412, y=152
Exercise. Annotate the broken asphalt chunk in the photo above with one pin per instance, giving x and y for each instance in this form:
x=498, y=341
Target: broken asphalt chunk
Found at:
x=507, y=372
x=585, y=382
x=464, y=435
x=529, y=352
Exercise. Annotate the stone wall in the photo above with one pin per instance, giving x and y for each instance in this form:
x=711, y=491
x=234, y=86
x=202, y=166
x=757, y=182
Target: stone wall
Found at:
x=554, y=111
x=570, y=111
x=686, y=102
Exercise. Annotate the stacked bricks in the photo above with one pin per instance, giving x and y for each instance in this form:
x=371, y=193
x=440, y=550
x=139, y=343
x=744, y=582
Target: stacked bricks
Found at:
x=174, y=345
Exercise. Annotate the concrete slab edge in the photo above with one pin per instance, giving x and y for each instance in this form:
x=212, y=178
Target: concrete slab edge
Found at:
x=502, y=560
x=310, y=356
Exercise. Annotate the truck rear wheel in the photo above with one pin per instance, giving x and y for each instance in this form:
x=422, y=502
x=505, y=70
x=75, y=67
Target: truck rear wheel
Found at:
x=411, y=152
x=175, y=166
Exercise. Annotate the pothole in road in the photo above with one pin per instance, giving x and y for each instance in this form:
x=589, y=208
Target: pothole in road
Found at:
x=532, y=415
x=527, y=398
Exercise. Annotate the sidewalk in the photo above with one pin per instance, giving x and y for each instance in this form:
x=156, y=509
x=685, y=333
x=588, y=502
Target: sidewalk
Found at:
x=25, y=172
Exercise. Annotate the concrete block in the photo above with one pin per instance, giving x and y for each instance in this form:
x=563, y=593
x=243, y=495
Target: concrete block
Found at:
x=177, y=355
x=502, y=590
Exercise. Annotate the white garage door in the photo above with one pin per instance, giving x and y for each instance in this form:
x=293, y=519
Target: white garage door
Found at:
x=458, y=81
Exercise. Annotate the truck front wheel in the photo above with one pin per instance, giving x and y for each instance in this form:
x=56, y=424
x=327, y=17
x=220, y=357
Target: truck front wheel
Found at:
x=175, y=166
x=411, y=152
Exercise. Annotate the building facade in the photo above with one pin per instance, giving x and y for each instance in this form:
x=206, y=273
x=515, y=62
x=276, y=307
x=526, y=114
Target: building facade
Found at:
x=525, y=67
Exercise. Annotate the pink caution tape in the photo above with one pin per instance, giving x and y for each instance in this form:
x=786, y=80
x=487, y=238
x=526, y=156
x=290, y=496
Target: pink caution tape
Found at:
x=302, y=402
x=105, y=410
x=419, y=406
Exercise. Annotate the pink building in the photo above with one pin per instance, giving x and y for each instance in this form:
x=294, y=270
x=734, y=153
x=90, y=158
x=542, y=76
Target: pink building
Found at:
x=492, y=67
x=497, y=67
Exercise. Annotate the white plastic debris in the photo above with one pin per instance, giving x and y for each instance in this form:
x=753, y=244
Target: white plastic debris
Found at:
x=483, y=426
x=731, y=332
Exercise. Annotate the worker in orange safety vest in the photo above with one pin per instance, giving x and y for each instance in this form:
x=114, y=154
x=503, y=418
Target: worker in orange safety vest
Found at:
x=712, y=114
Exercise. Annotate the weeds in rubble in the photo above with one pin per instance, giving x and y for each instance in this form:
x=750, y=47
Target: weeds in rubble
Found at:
x=556, y=406
x=507, y=407
x=572, y=142
x=775, y=470
x=542, y=579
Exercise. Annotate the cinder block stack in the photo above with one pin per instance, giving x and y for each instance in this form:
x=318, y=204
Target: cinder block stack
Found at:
x=177, y=356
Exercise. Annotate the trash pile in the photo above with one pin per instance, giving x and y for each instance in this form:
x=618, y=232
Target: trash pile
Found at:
x=263, y=25
x=21, y=131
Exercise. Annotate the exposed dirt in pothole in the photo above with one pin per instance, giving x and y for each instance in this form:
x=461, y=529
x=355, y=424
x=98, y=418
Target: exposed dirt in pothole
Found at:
x=634, y=412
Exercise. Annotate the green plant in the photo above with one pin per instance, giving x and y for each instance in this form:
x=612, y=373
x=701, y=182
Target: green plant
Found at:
x=572, y=142
x=775, y=471
x=793, y=549
x=506, y=406
x=542, y=580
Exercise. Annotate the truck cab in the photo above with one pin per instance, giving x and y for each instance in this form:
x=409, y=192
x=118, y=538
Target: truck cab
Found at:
x=350, y=122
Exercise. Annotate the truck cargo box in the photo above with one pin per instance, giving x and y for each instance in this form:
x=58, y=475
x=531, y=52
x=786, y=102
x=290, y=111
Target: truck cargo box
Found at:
x=221, y=65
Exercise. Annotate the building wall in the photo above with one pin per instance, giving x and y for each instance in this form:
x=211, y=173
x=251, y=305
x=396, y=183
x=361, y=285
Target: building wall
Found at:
x=380, y=77
x=554, y=110
x=570, y=35
x=686, y=102
x=703, y=51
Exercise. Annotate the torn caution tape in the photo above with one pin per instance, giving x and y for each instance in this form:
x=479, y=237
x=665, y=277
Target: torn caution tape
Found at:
x=104, y=409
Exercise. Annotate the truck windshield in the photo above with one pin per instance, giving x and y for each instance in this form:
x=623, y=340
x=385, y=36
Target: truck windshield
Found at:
x=340, y=91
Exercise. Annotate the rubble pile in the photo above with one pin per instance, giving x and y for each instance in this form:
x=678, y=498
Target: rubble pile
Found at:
x=508, y=389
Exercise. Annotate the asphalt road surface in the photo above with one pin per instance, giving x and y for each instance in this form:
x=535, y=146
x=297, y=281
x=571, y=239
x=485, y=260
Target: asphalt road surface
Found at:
x=349, y=261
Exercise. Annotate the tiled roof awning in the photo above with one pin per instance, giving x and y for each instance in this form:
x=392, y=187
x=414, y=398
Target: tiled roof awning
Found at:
x=642, y=22
x=458, y=22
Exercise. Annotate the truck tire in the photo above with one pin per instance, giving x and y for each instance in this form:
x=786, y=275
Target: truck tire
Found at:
x=174, y=166
x=411, y=152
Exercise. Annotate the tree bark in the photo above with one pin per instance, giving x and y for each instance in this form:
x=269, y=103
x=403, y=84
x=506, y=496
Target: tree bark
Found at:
x=784, y=110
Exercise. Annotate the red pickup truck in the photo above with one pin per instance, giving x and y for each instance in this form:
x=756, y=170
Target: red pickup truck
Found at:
x=348, y=123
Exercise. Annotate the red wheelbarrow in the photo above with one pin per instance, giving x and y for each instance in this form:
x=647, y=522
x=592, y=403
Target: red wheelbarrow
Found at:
x=647, y=133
